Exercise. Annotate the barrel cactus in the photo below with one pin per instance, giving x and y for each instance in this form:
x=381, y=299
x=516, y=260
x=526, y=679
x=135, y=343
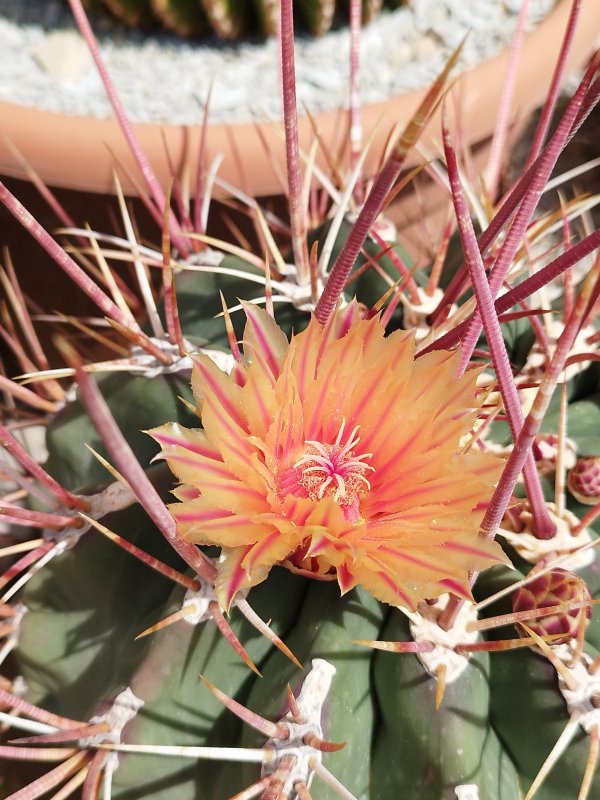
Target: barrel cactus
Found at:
x=321, y=548
x=229, y=19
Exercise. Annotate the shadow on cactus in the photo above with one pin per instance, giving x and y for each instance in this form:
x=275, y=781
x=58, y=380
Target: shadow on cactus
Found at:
x=307, y=617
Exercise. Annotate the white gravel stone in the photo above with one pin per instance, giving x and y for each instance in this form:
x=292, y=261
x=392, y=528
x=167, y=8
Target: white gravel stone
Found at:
x=162, y=78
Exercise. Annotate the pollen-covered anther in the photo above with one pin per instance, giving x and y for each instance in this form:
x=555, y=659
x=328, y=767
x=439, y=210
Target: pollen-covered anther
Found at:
x=334, y=469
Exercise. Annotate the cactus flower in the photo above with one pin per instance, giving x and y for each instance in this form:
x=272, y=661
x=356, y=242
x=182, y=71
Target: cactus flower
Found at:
x=337, y=455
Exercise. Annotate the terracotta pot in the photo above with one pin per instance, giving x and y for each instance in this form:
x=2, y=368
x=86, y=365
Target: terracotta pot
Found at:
x=77, y=152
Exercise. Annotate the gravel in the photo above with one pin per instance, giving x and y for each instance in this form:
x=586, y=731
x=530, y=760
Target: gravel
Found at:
x=45, y=64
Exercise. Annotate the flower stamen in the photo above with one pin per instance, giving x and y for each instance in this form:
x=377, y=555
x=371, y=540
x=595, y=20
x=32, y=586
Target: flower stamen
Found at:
x=334, y=469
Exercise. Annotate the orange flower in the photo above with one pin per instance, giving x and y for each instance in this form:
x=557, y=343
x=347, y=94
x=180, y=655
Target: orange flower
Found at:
x=336, y=455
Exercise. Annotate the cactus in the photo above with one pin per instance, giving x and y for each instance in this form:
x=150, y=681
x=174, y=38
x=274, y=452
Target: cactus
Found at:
x=297, y=589
x=229, y=19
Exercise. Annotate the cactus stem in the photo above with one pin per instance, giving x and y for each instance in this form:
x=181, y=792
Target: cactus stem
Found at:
x=271, y=730
x=145, y=558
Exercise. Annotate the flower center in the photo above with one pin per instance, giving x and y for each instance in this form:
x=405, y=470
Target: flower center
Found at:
x=334, y=469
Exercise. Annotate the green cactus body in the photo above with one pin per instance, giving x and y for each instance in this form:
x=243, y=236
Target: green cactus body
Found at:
x=318, y=14
x=324, y=629
x=176, y=700
x=181, y=16
x=138, y=403
x=132, y=12
x=227, y=17
x=230, y=19
x=426, y=752
x=529, y=714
